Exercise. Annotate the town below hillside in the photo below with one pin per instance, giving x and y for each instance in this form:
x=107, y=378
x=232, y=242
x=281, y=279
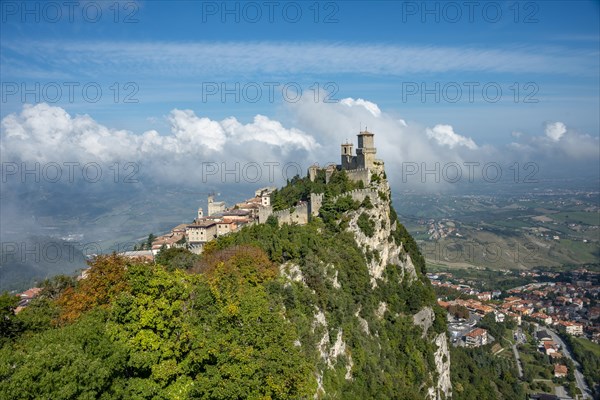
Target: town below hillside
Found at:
x=548, y=326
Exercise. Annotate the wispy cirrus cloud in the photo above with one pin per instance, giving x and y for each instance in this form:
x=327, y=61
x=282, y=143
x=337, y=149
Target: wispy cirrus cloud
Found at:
x=293, y=58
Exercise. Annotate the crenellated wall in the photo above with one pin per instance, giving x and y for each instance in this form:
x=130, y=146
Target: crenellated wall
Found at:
x=263, y=213
x=297, y=215
x=316, y=200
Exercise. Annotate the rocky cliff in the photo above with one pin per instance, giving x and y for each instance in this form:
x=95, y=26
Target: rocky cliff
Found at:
x=388, y=333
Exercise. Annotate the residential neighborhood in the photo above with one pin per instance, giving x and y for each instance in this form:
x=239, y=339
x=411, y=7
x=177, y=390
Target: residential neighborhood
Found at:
x=569, y=305
x=542, y=315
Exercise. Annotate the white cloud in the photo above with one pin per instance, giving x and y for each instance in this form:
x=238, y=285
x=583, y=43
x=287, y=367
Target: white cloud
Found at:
x=555, y=130
x=578, y=146
x=444, y=135
x=45, y=133
x=371, y=107
x=265, y=130
x=196, y=134
x=559, y=144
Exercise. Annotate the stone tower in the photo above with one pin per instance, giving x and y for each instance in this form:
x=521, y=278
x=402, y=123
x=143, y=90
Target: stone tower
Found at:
x=366, y=151
x=348, y=159
x=265, y=200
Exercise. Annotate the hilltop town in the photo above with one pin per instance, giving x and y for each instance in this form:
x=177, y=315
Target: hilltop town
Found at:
x=221, y=220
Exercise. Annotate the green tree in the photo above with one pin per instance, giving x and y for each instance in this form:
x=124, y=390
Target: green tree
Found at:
x=149, y=241
x=77, y=361
x=10, y=325
x=40, y=314
x=496, y=329
x=477, y=374
x=366, y=225
x=176, y=258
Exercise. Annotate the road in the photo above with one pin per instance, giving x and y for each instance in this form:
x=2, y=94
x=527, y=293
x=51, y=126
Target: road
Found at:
x=459, y=329
x=587, y=394
x=561, y=392
x=518, y=359
x=519, y=338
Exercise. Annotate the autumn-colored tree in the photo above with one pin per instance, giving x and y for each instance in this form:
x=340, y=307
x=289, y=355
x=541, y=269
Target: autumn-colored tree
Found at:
x=104, y=281
x=53, y=287
x=245, y=262
x=459, y=311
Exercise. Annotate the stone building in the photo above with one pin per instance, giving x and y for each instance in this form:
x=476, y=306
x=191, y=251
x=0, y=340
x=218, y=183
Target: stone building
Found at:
x=215, y=207
x=201, y=232
x=365, y=153
x=475, y=338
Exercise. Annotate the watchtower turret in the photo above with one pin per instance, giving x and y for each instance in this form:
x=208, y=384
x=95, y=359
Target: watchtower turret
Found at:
x=366, y=151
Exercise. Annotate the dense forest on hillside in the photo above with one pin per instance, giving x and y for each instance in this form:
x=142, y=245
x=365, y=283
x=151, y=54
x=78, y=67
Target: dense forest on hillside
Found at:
x=217, y=331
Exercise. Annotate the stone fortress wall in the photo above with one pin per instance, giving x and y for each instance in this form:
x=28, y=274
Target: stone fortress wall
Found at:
x=303, y=212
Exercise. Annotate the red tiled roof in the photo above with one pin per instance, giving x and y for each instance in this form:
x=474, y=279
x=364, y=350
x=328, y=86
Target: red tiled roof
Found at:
x=560, y=369
x=476, y=332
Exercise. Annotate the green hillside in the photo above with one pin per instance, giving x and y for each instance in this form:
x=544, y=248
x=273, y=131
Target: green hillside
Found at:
x=269, y=312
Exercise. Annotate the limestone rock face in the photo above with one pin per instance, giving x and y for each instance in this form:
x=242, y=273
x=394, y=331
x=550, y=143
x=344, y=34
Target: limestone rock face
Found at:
x=385, y=251
x=424, y=318
x=390, y=253
x=443, y=389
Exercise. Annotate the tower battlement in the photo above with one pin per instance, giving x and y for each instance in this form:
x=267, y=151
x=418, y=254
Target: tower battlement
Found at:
x=365, y=153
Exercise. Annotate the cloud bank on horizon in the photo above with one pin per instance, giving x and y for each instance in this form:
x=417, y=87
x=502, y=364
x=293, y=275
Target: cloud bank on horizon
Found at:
x=43, y=133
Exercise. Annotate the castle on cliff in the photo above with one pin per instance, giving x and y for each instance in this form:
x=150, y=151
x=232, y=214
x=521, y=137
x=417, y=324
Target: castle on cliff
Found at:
x=358, y=167
x=221, y=220
x=365, y=153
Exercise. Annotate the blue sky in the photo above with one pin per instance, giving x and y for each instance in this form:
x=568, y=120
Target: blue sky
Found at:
x=406, y=58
